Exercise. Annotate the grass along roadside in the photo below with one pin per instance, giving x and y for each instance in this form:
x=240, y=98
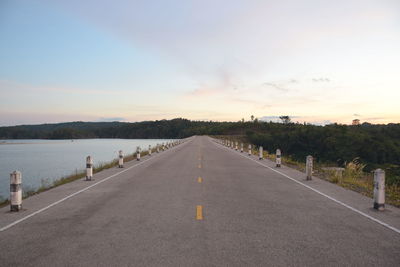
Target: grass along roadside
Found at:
x=351, y=177
x=45, y=185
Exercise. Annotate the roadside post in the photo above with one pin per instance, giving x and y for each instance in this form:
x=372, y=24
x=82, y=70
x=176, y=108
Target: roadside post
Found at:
x=379, y=189
x=15, y=191
x=120, y=160
x=149, y=150
x=138, y=153
x=89, y=168
x=241, y=148
x=309, y=167
x=249, y=150
x=261, y=155
x=278, y=158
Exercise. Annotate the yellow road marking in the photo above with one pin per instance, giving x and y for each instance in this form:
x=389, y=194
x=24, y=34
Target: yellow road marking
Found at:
x=199, y=180
x=199, y=212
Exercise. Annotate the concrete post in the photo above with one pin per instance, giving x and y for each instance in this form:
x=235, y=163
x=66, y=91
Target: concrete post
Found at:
x=249, y=150
x=89, y=168
x=309, y=167
x=149, y=150
x=120, y=160
x=236, y=146
x=137, y=153
x=261, y=155
x=158, y=148
x=241, y=148
x=163, y=146
x=15, y=191
x=278, y=158
x=379, y=189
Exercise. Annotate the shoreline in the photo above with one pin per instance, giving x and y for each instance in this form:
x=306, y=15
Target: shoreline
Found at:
x=75, y=176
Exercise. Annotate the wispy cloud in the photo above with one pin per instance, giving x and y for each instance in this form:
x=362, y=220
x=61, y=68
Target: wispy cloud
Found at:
x=322, y=79
x=111, y=119
x=12, y=86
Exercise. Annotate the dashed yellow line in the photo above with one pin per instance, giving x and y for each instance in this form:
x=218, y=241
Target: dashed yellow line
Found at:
x=199, y=212
x=199, y=180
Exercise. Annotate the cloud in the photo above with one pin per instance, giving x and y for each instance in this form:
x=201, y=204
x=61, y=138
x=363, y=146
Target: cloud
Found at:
x=112, y=119
x=276, y=86
x=322, y=79
x=6, y=85
x=356, y=115
x=254, y=103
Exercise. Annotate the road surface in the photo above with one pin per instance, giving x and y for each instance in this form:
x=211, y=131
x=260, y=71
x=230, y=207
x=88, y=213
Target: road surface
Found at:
x=199, y=204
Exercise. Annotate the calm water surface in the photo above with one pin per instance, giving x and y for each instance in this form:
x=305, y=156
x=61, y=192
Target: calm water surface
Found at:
x=43, y=161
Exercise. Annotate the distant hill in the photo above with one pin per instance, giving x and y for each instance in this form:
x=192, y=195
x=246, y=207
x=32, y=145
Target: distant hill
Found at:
x=373, y=144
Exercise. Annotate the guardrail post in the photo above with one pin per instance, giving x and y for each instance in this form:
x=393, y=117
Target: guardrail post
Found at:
x=309, y=167
x=89, y=168
x=241, y=148
x=137, y=153
x=15, y=191
x=379, y=189
x=278, y=158
x=149, y=150
x=261, y=155
x=120, y=160
x=249, y=150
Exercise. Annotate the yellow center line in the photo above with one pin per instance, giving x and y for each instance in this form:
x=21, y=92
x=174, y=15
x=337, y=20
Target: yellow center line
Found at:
x=199, y=180
x=199, y=212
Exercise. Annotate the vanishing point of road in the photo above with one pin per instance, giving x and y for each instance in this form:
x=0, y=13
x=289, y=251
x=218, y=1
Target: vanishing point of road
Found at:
x=199, y=204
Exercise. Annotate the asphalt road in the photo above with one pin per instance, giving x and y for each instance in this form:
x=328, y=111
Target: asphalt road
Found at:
x=159, y=213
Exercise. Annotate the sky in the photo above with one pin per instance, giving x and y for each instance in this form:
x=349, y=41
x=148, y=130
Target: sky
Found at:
x=317, y=61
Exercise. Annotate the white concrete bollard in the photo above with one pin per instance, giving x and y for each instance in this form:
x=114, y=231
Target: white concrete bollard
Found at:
x=120, y=160
x=89, y=168
x=158, y=148
x=236, y=146
x=309, y=167
x=137, y=153
x=249, y=150
x=379, y=189
x=278, y=158
x=163, y=146
x=260, y=154
x=241, y=148
x=15, y=191
x=149, y=150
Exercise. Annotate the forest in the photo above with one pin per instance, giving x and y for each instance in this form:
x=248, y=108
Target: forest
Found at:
x=374, y=145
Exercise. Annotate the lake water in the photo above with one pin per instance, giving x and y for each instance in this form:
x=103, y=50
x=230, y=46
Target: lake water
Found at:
x=43, y=161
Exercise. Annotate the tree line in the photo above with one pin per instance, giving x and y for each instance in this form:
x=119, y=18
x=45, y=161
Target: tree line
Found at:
x=336, y=143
